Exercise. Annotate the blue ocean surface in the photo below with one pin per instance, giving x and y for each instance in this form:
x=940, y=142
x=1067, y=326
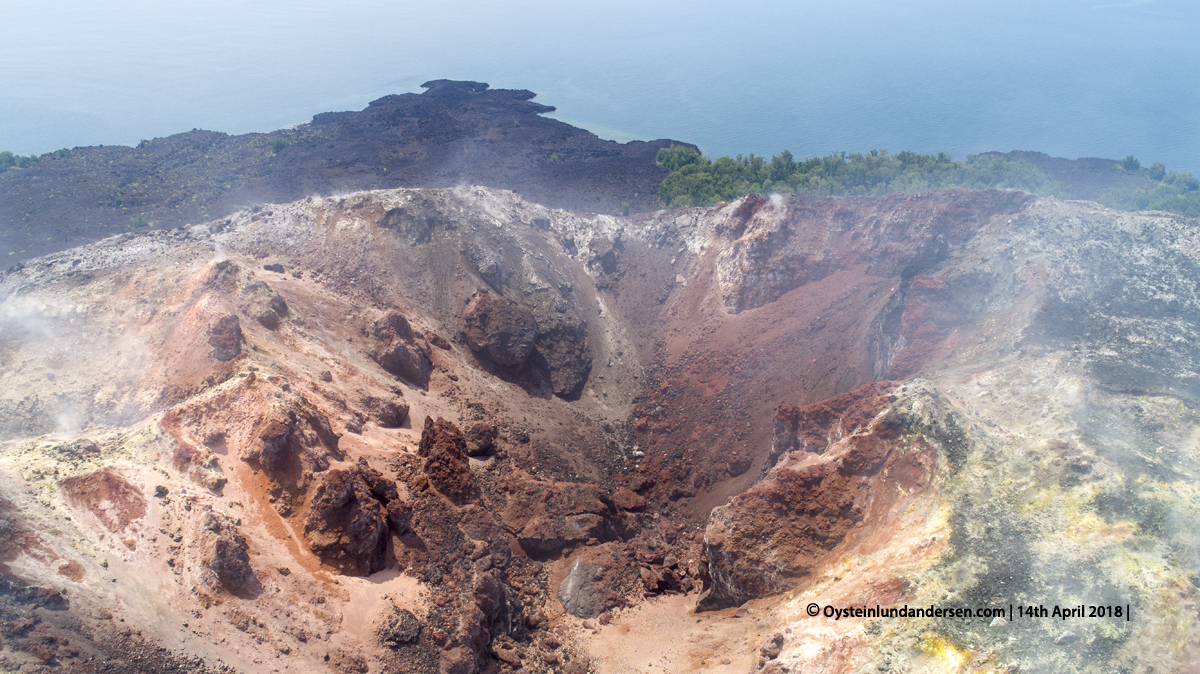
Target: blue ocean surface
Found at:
x=1070, y=78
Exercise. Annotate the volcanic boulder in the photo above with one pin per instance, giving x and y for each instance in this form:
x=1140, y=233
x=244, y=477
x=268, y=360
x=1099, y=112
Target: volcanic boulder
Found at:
x=480, y=437
x=294, y=439
x=387, y=413
x=225, y=337
x=499, y=330
x=349, y=517
x=224, y=557
x=590, y=587
x=549, y=516
x=395, y=627
x=400, y=351
x=563, y=345
x=263, y=304
x=446, y=464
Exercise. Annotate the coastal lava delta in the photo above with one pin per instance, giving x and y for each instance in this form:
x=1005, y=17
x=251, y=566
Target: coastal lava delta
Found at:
x=452, y=430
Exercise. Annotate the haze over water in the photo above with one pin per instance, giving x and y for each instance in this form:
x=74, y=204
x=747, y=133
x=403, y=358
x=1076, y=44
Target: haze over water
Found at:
x=1070, y=78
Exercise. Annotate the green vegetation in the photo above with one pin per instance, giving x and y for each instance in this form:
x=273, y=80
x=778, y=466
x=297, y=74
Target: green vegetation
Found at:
x=697, y=181
x=9, y=160
x=1168, y=191
x=1130, y=163
x=278, y=143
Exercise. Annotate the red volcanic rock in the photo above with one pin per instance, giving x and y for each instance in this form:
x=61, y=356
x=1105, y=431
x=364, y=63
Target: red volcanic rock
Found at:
x=224, y=560
x=812, y=428
x=929, y=319
x=766, y=539
x=445, y=452
x=106, y=494
x=625, y=499
x=349, y=517
x=549, y=516
x=400, y=351
x=225, y=337
x=498, y=329
x=438, y=341
x=800, y=239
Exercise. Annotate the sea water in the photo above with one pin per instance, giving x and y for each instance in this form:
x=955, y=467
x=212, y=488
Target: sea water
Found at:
x=1068, y=77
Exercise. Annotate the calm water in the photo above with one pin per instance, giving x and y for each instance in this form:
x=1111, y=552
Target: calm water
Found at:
x=1072, y=79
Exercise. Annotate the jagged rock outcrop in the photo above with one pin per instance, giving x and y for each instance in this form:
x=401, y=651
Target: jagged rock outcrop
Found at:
x=399, y=350
x=879, y=452
x=225, y=337
x=264, y=305
x=291, y=440
x=499, y=330
x=349, y=516
x=444, y=451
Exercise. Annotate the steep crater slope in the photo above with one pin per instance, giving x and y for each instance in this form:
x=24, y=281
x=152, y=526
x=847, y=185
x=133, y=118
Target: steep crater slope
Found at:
x=451, y=430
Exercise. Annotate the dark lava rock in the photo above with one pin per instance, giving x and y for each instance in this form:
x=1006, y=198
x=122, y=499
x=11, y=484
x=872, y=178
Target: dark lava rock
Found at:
x=563, y=345
x=438, y=341
x=445, y=452
x=225, y=337
x=589, y=587
x=396, y=627
x=79, y=448
x=224, y=556
x=453, y=133
x=348, y=519
x=264, y=305
x=400, y=351
x=499, y=330
x=386, y=413
x=480, y=437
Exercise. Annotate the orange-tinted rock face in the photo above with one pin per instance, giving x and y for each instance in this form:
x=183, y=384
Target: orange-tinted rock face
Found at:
x=107, y=495
x=812, y=428
x=858, y=465
x=781, y=244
